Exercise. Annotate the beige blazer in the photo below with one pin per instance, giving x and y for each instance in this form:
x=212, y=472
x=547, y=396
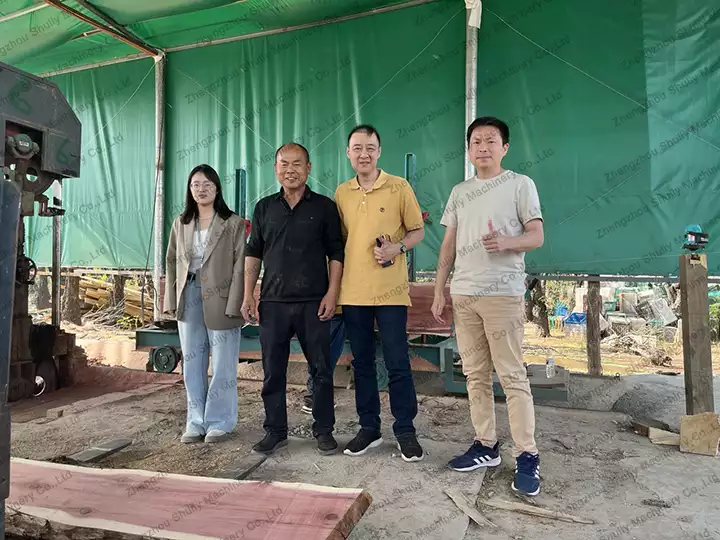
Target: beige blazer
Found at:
x=221, y=274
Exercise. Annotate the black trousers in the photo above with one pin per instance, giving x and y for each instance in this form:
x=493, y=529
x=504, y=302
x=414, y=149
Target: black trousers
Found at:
x=279, y=322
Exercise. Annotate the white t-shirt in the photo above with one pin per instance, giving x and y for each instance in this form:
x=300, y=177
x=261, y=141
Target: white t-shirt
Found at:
x=509, y=200
x=198, y=250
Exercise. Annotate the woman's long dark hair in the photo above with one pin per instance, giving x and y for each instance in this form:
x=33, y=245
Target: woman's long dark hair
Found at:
x=191, y=207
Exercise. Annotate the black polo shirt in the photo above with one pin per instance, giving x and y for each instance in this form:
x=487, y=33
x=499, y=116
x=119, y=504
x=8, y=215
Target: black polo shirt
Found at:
x=295, y=245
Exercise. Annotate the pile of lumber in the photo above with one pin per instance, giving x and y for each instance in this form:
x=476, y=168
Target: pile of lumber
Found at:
x=97, y=294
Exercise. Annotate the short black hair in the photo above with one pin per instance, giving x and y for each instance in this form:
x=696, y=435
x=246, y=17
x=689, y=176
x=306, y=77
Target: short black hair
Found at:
x=365, y=128
x=293, y=145
x=490, y=121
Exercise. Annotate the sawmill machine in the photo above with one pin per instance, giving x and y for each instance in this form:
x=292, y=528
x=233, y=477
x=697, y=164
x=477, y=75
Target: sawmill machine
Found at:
x=39, y=148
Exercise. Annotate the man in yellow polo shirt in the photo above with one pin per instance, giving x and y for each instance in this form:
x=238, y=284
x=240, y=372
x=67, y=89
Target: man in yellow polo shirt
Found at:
x=377, y=207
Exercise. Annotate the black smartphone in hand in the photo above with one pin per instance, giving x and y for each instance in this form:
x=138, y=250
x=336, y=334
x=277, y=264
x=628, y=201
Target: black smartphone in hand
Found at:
x=378, y=242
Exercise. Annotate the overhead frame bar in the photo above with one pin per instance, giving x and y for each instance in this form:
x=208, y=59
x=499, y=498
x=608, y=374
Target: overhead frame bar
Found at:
x=20, y=13
x=133, y=42
x=262, y=33
x=110, y=21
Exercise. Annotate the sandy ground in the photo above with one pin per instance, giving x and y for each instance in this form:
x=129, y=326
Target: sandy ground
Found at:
x=593, y=466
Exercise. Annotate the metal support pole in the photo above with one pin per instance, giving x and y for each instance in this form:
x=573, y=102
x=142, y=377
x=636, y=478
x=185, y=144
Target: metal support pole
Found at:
x=410, y=176
x=56, y=255
x=159, y=225
x=9, y=220
x=471, y=47
x=241, y=192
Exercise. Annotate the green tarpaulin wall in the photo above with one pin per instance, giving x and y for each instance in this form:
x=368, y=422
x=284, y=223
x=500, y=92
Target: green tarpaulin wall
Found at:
x=618, y=183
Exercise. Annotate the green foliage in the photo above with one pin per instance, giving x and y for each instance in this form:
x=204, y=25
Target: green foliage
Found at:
x=128, y=323
x=558, y=291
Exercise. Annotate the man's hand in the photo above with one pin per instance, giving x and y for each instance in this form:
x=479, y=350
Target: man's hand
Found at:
x=328, y=305
x=387, y=252
x=495, y=242
x=437, y=308
x=249, y=309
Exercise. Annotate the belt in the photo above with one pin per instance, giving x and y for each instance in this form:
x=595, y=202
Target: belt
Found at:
x=191, y=276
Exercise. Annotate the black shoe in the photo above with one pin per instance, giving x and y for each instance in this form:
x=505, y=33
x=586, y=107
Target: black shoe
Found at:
x=409, y=447
x=364, y=440
x=307, y=404
x=270, y=443
x=326, y=444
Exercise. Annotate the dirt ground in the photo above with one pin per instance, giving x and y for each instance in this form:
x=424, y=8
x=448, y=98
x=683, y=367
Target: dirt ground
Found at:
x=592, y=465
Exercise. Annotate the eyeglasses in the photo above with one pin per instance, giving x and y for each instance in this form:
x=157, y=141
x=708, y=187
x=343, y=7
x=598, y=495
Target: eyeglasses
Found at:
x=202, y=185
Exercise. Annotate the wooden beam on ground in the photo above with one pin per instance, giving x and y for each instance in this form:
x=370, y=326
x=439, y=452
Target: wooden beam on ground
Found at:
x=468, y=508
x=243, y=468
x=660, y=436
x=534, y=511
x=101, y=451
x=592, y=318
x=128, y=504
x=695, y=311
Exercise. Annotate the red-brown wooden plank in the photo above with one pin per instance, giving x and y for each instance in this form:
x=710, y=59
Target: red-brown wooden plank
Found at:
x=161, y=505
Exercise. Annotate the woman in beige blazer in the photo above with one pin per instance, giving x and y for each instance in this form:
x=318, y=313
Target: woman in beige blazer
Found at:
x=204, y=291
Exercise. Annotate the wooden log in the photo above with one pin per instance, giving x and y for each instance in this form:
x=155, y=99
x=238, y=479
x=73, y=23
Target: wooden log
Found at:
x=132, y=504
x=697, y=356
x=594, y=308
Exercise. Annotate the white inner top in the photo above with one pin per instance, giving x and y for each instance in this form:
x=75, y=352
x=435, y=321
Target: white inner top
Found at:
x=198, y=250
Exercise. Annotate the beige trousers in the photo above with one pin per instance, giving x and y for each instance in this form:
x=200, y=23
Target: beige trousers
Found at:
x=489, y=331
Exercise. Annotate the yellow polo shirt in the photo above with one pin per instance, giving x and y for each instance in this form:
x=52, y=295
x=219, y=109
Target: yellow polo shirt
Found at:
x=389, y=208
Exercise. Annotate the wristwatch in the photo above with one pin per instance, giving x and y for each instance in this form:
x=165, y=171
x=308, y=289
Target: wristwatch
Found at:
x=403, y=248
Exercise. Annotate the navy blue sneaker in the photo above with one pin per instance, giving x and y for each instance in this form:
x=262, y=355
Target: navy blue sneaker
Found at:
x=527, y=474
x=477, y=456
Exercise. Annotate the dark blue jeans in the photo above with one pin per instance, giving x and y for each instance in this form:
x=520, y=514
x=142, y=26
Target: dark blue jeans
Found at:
x=392, y=324
x=337, y=342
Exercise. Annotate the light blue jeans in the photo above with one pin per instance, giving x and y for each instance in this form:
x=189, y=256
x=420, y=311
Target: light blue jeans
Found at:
x=213, y=406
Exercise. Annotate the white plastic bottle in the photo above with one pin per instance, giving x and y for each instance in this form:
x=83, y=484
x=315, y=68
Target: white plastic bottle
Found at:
x=550, y=368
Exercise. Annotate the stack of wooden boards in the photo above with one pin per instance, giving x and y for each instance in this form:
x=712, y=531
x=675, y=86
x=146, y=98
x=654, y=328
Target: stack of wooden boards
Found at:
x=49, y=500
x=96, y=293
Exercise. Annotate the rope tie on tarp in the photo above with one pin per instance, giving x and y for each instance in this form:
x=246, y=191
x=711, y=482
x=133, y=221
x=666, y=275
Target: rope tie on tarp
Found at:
x=475, y=7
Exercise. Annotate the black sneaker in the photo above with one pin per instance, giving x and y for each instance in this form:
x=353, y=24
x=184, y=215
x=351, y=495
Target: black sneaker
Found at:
x=409, y=447
x=364, y=440
x=326, y=444
x=307, y=404
x=270, y=443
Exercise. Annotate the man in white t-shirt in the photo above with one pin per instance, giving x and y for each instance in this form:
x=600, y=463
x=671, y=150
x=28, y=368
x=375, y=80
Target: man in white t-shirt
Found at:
x=491, y=221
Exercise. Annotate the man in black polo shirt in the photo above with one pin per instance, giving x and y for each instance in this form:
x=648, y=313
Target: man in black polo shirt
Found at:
x=294, y=233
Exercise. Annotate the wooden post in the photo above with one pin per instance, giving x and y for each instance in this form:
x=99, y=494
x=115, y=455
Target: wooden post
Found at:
x=118, y=292
x=695, y=311
x=594, y=307
x=71, y=310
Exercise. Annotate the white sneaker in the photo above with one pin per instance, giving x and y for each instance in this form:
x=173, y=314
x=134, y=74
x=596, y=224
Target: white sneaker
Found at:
x=189, y=438
x=216, y=435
